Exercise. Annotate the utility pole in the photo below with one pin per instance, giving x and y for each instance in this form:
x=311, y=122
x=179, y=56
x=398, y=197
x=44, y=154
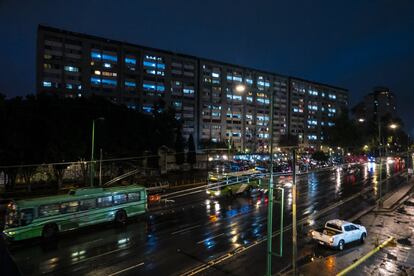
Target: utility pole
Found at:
x=100, y=168
x=294, y=226
x=380, y=163
x=92, y=154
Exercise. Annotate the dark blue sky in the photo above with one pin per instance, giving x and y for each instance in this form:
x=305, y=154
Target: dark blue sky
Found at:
x=352, y=44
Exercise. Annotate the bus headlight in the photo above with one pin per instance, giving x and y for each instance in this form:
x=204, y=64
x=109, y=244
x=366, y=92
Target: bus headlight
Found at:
x=217, y=193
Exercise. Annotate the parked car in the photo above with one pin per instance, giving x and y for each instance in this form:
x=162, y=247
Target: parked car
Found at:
x=337, y=233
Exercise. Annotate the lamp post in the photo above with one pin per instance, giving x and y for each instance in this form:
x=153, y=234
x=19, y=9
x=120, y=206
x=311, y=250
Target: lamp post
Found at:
x=92, y=172
x=391, y=126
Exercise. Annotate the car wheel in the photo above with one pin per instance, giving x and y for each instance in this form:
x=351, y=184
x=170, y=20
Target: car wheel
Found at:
x=121, y=217
x=50, y=231
x=341, y=245
x=363, y=237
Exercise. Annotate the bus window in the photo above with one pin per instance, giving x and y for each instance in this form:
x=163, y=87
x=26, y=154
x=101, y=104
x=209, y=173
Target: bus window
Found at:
x=26, y=216
x=69, y=207
x=87, y=204
x=134, y=197
x=120, y=198
x=49, y=210
x=105, y=201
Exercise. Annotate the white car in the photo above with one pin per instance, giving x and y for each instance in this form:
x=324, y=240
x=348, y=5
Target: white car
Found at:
x=337, y=233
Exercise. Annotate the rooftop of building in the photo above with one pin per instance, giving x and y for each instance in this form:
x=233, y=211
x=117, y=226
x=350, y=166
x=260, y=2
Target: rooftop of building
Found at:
x=118, y=42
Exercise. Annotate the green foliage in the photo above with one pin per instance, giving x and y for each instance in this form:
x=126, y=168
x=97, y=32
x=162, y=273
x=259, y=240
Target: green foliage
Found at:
x=179, y=148
x=191, y=154
x=44, y=129
x=345, y=133
x=320, y=156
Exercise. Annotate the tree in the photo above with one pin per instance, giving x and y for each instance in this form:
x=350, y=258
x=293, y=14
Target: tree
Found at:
x=345, y=133
x=179, y=148
x=320, y=156
x=191, y=154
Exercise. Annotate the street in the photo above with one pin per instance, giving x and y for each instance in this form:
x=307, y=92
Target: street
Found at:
x=188, y=235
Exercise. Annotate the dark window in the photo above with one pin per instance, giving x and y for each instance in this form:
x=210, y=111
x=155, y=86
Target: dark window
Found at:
x=87, y=204
x=134, y=197
x=119, y=199
x=105, y=201
x=49, y=210
x=333, y=226
x=69, y=207
x=26, y=216
x=348, y=228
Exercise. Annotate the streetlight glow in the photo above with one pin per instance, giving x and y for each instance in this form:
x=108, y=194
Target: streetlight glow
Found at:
x=240, y=88
x=393, y=126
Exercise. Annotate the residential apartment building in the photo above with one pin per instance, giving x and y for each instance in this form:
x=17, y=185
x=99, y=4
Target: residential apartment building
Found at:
x=380, y=102
x=203, y=92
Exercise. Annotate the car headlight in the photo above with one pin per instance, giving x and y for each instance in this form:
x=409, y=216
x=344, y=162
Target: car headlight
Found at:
x=217, y=193
x=331, y=240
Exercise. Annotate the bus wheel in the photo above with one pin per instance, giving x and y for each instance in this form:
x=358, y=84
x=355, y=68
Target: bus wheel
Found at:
x=121, y=217
x=50, y=231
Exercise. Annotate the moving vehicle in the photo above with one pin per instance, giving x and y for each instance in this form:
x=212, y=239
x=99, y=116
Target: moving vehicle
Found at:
x=337, y=233
x=47, y=216
x=229, y=184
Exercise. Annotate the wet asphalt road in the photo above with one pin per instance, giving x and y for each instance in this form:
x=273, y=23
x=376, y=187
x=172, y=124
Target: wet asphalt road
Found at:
x=199, y=229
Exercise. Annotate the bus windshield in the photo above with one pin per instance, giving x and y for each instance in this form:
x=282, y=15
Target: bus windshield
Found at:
x=12, y=218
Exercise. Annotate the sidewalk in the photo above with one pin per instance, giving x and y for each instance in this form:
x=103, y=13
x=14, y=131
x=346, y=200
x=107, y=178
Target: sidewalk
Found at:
x=396, y=260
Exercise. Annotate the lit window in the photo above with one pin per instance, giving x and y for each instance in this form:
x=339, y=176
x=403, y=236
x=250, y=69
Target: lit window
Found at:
x=149, y=64
x=249, y=81
x=109, y=82
x=96, y=55
x=109, y=57
x=95, y=80
x=130, y=61
x=69, y=86
x=130, y=84
x=107, y=65
x=97, y=72
x=47, y=84
x=188, y=91
x=147, y=108
x=149, y=86
x=71, y=68
x=215, y=75
x=160, y=88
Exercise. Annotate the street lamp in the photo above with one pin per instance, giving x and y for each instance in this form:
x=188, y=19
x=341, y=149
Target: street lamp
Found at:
x=239, y=88
x=391, y=126
x=92, y=172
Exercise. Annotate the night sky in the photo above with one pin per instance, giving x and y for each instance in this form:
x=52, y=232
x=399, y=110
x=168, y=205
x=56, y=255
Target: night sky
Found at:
x=352, y=44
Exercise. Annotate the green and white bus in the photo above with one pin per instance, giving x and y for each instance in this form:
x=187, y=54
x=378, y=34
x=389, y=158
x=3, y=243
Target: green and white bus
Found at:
x=233, y=183
x=47, y=216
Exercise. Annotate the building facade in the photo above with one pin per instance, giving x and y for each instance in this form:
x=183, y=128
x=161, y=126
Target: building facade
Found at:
x=203, y=92
x=380, y=102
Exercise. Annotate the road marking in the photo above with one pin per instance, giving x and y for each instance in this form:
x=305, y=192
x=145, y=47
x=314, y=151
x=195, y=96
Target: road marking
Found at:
x=97, y=256
x=208, y=239
x=126, y=269
x=185, y=229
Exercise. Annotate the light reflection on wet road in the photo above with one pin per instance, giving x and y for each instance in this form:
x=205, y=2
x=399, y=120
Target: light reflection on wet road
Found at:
x=191, y=234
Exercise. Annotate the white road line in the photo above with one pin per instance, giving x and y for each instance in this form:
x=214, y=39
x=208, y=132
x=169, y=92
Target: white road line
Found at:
x=199, y=242
x=126, y=269
x=97, y=256
x=185, y=229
